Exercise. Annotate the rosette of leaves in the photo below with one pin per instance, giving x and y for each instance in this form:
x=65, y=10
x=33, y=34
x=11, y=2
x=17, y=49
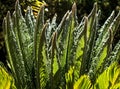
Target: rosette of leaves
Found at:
x=44, y=55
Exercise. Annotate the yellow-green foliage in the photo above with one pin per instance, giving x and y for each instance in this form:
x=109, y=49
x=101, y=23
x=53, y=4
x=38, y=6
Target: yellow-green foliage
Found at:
x=110, y=78
x=83, y=83
x=6, y=81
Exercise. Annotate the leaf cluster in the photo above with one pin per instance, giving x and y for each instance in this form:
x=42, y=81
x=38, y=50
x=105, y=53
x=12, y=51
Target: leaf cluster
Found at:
x=44, y=55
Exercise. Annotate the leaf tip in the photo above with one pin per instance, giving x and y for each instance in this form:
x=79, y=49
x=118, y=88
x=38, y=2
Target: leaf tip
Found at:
x=74, y=9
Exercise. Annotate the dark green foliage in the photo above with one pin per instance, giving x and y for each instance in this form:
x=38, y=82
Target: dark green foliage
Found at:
x=56, y=6
x=44, y=55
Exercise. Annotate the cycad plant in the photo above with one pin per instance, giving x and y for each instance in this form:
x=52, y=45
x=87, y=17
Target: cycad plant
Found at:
x=71, y=55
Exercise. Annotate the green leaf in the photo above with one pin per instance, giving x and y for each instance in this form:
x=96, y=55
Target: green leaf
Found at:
x=114, y=55
x=82, y=83
x=69, y=78
x=39, y=40
x=19, y=71
x=102, y=47
x=6, y=81
x=109, y=78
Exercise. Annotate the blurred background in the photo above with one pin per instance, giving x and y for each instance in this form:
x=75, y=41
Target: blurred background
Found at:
x=58, y=7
